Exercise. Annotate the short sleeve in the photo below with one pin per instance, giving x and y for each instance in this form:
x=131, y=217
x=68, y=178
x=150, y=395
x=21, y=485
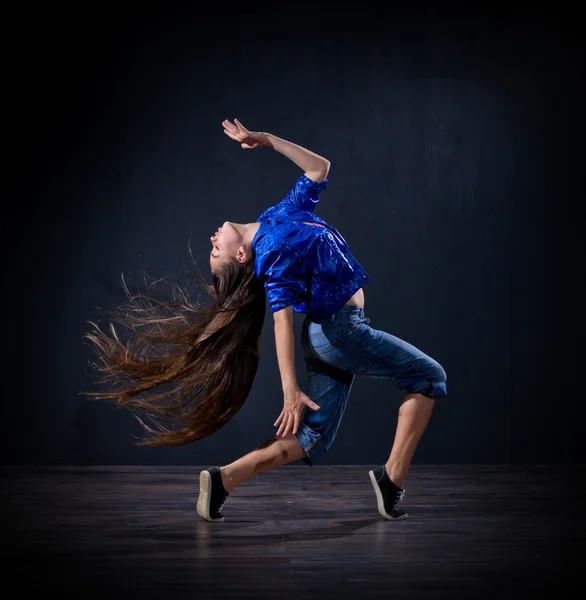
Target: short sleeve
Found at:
x=282, y=282
x=305, y=194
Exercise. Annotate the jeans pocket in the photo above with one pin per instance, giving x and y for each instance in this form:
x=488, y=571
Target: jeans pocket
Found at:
x=359, y=334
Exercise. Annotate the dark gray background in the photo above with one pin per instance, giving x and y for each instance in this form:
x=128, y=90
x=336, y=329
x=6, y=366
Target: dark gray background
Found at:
x=456, y=145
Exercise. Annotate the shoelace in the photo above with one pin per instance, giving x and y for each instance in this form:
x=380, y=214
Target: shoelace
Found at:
x=222, y=503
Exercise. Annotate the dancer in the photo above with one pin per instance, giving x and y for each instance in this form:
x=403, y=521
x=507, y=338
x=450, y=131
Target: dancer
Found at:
x=192, y=364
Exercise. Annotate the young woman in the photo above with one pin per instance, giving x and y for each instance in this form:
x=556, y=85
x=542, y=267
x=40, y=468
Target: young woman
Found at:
x=193, y=365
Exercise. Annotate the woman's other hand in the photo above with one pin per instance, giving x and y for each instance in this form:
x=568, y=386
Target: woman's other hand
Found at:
x=247, y=139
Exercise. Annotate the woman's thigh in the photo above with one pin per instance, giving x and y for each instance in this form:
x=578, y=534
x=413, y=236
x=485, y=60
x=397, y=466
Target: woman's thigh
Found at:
x=348, y=343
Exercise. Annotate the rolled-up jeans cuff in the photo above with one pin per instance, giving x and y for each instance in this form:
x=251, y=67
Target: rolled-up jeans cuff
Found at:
x=311, y=442
x=431, y=389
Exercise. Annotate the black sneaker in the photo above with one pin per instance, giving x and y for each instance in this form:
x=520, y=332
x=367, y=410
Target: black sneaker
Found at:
x=388, y=495
x=212, y=495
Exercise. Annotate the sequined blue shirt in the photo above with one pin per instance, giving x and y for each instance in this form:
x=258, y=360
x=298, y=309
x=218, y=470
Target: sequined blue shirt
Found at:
x=304, y=261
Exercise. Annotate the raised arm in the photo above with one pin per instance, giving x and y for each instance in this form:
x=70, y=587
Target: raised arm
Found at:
x=316, y=167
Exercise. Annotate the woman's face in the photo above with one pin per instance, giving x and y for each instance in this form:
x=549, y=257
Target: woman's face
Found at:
x=225, y=245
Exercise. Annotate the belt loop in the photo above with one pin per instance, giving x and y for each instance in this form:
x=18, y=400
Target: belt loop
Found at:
x=333, y=317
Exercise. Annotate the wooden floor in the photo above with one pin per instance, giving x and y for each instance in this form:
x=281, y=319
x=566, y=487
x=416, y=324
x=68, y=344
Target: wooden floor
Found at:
x=295, y=532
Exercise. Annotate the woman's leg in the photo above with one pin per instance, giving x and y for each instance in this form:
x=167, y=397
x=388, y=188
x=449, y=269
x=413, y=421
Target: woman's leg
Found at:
x=329, y=388
x=374, y=353
x=273, y=453
x=414, y=414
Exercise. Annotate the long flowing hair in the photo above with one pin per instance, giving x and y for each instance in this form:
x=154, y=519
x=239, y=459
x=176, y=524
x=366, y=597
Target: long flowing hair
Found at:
x=183, y=367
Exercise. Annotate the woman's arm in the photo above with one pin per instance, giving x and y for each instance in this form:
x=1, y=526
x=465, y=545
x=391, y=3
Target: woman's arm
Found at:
x=316, y=167
x=294, y=399
x=285, y=342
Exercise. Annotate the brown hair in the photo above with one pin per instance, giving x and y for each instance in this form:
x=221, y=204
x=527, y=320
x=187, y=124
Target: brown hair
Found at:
x=184, y=368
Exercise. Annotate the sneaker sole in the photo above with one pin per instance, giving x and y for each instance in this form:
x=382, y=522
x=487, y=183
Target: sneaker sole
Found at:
x=205, y=494
x=380, y=501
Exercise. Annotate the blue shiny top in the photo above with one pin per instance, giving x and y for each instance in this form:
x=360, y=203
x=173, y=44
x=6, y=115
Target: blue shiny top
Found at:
x=303, y=261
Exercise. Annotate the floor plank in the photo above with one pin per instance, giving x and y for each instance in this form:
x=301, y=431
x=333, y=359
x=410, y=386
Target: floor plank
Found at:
x=124, y=532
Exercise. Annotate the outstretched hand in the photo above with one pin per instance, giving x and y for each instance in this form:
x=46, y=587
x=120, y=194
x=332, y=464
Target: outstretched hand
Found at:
x=294, y=403
x=247, y=139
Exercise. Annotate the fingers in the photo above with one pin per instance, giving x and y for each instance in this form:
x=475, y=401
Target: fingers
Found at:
x=239, y=133
x=232, y=135
x=235, y=127
x=280, y=418
x=232, y=131
x=285, y=426
x=230, y=126
x=289, y=424
x=295, y=425
x=239, y=124
x=311, y=404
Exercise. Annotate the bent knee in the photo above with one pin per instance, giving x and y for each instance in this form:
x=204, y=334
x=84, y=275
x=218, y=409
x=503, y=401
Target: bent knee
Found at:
x=434, y=386
x=439, y=373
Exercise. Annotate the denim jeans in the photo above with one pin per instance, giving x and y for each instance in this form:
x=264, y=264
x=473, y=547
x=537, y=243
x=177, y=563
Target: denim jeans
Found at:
x=342, y=346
